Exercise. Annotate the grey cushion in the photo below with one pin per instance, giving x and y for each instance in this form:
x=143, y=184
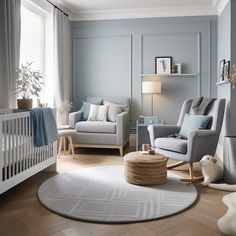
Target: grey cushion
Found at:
x=192, y=123
x=113, y=110
x=96, y=127
x=172, y=144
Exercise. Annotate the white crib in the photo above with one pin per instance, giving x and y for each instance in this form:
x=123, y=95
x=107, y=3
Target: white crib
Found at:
x=19, y=158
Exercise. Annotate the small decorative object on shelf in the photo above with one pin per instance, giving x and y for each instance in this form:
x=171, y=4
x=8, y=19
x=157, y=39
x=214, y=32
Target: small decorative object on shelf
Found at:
x=226, y=70
x=177, y=68
x=163, y=65
x=221, y=71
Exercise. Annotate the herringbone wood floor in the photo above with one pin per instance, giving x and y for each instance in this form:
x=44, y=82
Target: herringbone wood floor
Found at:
x=21, y=213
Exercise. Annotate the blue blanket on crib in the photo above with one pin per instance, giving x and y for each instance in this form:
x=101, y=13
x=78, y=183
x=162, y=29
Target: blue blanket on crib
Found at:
x=45, y=128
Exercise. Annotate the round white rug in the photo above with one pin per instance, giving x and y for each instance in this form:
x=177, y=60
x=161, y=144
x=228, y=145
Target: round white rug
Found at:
x=101, y=194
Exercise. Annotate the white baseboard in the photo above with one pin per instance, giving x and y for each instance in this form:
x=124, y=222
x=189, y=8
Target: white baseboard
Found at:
x=132, y=140
x=219, y=151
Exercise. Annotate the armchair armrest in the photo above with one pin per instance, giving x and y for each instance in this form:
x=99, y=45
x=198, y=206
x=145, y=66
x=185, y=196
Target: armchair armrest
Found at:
x=122, y=127
x=158, y=131
x=200, y=143
x=74, y=117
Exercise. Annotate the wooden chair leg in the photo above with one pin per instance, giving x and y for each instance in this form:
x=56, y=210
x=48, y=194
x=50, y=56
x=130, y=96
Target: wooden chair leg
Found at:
x=121, y=151
x=64, y=144
x=60, y=146
x=71, y=146
x=191, y=170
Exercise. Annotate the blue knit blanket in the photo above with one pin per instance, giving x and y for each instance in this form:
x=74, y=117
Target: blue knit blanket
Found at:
x=45, y=128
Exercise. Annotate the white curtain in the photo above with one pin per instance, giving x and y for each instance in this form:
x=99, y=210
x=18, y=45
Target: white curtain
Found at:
x=61, y=57
x=9, y=50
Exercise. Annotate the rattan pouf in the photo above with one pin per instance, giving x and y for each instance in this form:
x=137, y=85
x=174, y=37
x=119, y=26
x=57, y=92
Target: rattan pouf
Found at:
x=145, y=169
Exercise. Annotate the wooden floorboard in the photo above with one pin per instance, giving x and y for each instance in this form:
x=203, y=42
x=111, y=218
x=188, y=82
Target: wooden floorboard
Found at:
x=21, y=213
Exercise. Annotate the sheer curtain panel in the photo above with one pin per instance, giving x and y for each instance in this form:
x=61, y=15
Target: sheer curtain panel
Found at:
x=61, y=57
x=9, y=50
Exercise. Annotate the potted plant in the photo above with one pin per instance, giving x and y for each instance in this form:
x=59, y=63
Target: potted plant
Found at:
x=63, y=112
x=28, y=84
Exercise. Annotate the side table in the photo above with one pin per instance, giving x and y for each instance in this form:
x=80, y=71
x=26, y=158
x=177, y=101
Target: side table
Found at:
x=142, y=134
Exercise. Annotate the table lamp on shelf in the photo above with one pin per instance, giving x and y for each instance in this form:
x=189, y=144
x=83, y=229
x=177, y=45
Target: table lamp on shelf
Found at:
x=151, y=87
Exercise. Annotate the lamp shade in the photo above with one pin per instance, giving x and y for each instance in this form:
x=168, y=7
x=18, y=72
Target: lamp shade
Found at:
x=151, y=87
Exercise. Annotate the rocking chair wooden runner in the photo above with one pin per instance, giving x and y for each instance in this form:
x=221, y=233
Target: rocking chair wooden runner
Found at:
x=199, y=143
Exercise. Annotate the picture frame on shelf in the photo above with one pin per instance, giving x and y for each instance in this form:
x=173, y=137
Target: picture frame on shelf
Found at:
x=221, y=71
x=163, y=65
x=177, y=68
x=226, y=70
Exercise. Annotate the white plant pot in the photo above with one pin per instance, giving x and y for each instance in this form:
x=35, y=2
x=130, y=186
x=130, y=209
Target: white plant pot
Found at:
x=63, y=118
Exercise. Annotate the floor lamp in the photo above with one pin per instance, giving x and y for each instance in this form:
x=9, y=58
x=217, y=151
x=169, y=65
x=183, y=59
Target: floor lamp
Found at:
x=151, y=87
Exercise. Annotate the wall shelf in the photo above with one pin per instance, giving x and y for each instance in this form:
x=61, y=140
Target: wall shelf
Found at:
x=168, y=75
x=222, y=82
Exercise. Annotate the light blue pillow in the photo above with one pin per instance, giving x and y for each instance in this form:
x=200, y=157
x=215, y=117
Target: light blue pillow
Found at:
x=86, y=109
x=192, y=123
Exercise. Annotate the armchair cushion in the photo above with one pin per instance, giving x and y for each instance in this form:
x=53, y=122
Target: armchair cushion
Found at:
x=86, y=109
x=172, y=144
x=98, y=113
x=113, y=110
x=193, y=122
x=96, y=127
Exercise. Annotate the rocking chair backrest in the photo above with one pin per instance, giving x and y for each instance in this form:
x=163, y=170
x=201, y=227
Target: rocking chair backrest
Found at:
x=216, y=111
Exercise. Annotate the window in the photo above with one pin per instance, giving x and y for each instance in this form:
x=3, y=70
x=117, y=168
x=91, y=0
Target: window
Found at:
x=32, y=37
x=37, y=42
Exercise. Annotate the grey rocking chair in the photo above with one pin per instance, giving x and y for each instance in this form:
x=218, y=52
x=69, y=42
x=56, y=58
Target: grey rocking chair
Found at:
x=199, y=143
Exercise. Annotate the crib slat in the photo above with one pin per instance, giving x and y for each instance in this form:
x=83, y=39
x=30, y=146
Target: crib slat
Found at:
x=9, y=149
x=17, y=145
x=20, y=144
x=13, y=147
x=29, y=141
x=23, y=143
x=26, y=147
x=5, y=149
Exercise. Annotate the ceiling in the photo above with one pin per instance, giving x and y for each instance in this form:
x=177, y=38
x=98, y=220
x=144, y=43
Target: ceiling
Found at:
x=125, y=9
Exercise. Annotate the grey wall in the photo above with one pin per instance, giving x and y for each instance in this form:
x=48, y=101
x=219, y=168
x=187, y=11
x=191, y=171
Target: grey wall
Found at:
x=227, y=51
x=224, y=52
x=109, y=56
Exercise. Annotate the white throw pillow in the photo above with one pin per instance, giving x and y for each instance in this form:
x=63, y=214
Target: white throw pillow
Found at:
x=98, y=113
x=114, y=109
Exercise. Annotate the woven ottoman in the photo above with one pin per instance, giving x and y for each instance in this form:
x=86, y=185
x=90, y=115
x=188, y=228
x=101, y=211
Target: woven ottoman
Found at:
x=145, y=169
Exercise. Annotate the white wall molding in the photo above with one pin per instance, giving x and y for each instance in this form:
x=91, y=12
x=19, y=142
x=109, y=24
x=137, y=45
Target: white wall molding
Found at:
x=216, y=8
x=142, y=13
x=221, y=5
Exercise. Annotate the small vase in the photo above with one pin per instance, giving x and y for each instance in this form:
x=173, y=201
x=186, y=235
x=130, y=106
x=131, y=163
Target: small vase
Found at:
x=24, y=103
x=63, y=118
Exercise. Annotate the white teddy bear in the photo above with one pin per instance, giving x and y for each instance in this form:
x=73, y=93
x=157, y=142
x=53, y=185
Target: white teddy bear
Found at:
x=212, y=170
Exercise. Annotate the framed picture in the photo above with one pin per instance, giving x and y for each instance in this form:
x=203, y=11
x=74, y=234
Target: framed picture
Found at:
x=221, y=71
x=177, y=68
x=226, y=70
x=163, y=65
